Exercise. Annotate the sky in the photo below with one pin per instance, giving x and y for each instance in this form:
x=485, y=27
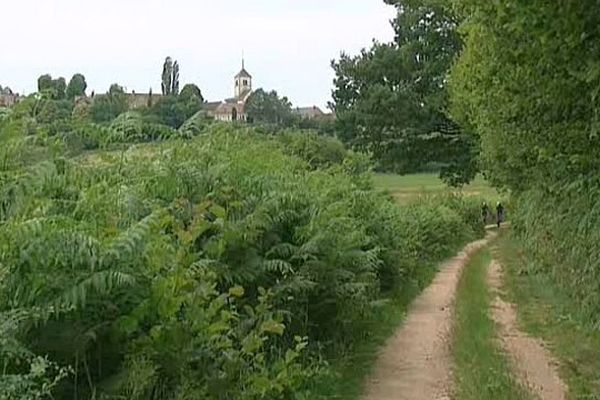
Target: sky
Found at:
x=287, y=44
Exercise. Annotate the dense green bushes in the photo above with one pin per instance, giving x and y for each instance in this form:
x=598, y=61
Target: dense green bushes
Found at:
x=533, y=99
x=222, y=267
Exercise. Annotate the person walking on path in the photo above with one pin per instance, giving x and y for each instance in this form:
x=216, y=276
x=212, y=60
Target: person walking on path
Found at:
x=499, y=213
x=485, y=211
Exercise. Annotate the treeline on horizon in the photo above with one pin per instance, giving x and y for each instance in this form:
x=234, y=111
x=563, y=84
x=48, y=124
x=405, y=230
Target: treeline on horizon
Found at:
x=60, y=101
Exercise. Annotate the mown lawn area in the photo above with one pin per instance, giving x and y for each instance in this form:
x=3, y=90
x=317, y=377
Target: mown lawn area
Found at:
x=408, y=188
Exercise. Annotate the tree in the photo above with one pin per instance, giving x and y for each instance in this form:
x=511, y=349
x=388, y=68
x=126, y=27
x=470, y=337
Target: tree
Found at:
x=533, y=101
x=391, y=100
x=190, y=91
x=44, y=83
x=60, y=85
x=54, y=89
x=268, y=107
x=116, y=90
x=175, y=79
x=76, y=87
x=167, y=77
x=149, y=103
x=175, y=110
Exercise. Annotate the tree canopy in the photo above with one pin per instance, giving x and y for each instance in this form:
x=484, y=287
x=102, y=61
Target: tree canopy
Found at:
x=268, y=107
x=76, y=86
x=55, y=89
x=530, y=96
x=191, y=91
x=170, y=77
x=391, y=99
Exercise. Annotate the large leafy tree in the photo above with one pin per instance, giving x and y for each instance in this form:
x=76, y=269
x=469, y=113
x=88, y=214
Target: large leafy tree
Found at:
x=171, y=111
x=392, y=100
x=76, y=86
x=532, y=97
x=55, y=89
x=175, y=110
x=191, y=91
x=268, y=107
x=44, y=82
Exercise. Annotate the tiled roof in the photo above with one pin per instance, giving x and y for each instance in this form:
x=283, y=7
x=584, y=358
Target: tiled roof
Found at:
x=211, y=105
x=243, y=74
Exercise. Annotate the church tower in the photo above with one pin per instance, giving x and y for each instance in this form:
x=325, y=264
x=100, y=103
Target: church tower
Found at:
x=243, y=83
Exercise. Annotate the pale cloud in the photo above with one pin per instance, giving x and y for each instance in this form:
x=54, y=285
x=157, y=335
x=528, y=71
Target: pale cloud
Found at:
x=288, y=44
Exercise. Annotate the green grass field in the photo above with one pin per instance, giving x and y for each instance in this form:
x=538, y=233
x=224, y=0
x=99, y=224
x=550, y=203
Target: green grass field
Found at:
x=408, y=188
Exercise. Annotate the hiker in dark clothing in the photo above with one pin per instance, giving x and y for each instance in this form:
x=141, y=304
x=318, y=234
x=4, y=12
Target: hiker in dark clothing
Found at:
x=485, y=211
x=499, y=213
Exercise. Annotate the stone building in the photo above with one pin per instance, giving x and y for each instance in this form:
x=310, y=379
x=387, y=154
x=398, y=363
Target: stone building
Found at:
x=139, y=100
x=312, y=112
x=8, y=98
x=233, y=109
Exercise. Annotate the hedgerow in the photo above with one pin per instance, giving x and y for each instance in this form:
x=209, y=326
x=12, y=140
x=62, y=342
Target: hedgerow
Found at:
x=533, y=102
x=222, y=267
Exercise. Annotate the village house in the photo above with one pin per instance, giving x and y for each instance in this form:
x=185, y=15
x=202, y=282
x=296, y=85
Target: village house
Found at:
x=309, y=112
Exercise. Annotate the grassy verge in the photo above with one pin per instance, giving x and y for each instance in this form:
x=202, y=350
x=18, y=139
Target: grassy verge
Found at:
x=349, y=371
x=481, y=369
x=546, y=312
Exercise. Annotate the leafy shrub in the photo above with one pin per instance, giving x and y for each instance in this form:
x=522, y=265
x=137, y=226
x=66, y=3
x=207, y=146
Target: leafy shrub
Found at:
x=173, y=111
x=195, y=125
x=107, y=107
x=4, y=114
x=318, y=151
x=211, y=268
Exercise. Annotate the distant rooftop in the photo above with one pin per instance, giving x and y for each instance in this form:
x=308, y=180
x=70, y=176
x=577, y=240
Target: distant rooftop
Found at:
x=309, y=112
x=243, y=74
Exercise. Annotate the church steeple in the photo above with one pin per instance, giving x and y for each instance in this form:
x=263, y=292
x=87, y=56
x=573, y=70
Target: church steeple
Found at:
x=242, y=82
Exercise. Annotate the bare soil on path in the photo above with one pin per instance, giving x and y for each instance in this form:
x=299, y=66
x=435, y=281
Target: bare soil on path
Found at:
x=532, y=362
x=415, y=364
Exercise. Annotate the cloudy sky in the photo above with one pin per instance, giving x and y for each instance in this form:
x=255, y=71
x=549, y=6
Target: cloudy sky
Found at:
x=288, y=44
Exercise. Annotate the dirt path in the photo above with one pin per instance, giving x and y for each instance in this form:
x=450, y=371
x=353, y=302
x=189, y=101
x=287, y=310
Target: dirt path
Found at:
x=533, y=364
x=415, y=363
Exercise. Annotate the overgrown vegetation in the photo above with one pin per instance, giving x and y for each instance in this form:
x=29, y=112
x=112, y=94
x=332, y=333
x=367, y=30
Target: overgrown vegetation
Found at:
x=527, y=82
x=215, y=262
x=548, y=313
